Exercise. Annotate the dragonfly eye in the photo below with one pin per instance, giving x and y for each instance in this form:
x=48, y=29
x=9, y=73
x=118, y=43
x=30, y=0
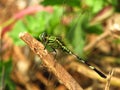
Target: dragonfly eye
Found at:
x=43, y=37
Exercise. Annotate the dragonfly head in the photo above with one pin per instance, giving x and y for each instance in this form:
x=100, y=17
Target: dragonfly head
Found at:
x=43, y=37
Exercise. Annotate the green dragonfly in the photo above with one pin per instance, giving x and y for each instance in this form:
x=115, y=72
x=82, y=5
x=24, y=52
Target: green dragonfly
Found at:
x=55, y=43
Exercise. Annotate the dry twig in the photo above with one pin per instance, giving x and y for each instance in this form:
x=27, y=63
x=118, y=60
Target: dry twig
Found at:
x=97, y=40
x=38, y=48
x=109, y=80
x=115, y=81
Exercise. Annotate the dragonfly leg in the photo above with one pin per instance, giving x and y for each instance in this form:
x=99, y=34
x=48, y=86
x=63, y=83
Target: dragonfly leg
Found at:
x=46, y=44
x=54, y=50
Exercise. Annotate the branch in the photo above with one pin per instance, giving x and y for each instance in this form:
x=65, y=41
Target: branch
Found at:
x=97, y=40
x=107, y=86
x=49, y=61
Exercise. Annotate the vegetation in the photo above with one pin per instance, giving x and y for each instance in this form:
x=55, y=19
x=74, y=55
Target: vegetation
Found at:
x=90, y=29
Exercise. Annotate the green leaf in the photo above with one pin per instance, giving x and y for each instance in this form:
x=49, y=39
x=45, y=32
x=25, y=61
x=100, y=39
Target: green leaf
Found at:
x=78, y=42
x=62, y=2
x=113, y=2
x=97, y=29
x=76, y=35
x=55, y=20
x=95, y=5
x=19, y=27
x=7, y=67
x=37, y=24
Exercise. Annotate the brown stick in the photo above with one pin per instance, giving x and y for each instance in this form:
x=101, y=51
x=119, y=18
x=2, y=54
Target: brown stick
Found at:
x=107, y=86
x=49, y=61
x=98, y=39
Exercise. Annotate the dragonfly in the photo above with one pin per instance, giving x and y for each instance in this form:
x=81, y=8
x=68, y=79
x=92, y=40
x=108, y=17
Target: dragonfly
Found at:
x=55, y=43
